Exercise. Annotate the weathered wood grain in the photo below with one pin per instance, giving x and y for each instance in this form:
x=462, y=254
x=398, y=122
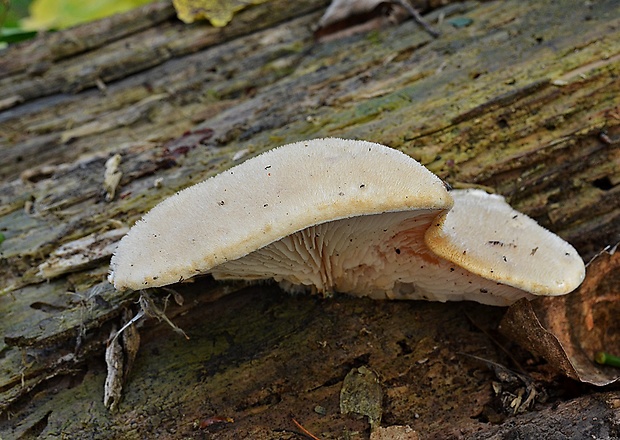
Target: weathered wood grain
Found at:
x=525, y=100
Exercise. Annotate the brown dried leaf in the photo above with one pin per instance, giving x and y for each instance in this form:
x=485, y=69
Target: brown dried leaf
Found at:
x=340, y=10
x=568, y=330
x=347, y=17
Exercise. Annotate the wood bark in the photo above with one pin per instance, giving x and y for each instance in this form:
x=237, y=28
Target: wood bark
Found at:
x=525, y=101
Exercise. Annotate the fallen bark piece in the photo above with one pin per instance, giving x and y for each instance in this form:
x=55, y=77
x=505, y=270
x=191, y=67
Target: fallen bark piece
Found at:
x=81, y=253
x=361, y=393
x=120, y=355
x=394, y=433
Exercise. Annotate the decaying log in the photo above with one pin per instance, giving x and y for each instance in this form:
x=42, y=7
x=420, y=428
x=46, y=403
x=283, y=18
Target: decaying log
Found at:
x=525, y=101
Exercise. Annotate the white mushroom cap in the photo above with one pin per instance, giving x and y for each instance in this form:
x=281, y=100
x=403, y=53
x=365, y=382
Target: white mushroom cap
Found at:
x=484, y=235
x=269, y=197
x=347, y=216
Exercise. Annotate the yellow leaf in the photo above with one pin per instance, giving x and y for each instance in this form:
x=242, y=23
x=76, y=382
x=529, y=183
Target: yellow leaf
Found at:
x=218, y=12
x=59, y=14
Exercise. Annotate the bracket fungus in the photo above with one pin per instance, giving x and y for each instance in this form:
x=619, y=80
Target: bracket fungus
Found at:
x=334, y=215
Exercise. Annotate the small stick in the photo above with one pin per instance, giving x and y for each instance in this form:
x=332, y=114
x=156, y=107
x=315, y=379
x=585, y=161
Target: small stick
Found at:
x=152, y=311
x=418, y=18
x=305, y=431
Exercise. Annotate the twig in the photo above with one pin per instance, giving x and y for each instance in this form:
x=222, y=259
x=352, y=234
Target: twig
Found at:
x=305, y=431
x=417, y=17
x=152, y=311
x=609, y=249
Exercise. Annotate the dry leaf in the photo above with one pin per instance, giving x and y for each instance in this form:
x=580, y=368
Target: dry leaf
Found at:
x=218, y=12
x=61, y=14
x=340, y=10
x=569, y=330
x=347, y=17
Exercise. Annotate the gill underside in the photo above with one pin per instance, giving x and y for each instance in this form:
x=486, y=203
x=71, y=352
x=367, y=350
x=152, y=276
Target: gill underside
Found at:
x=380, y=256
